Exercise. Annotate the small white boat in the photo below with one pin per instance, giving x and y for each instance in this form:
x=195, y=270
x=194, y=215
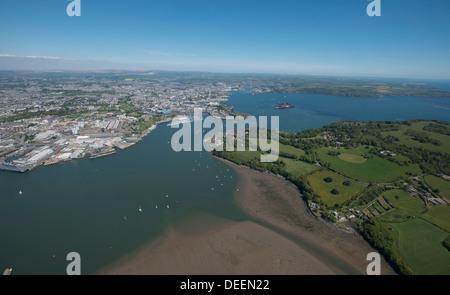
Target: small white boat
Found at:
x=167, y=196
x=140, y=209
x=168, y=206
x=156, y=207
x=20, y=192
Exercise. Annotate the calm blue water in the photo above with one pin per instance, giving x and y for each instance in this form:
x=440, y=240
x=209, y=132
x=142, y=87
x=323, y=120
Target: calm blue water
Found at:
x=316, y=110
x=80, y=206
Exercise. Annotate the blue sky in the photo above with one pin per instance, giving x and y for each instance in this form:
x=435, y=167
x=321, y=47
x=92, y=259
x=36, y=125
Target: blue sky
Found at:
x=329, y=37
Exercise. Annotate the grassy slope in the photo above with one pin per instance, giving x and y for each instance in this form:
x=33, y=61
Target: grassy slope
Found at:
x=439, y=183
x=323, y=189
x=419, y=243
x=374, y=170
x=291, y=150
x=351, y=158
x=405, y=206
x=418, y=126
x=438, y=215
x=298, y=168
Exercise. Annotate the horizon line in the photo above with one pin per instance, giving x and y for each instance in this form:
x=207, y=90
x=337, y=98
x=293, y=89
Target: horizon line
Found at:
x=358, y=76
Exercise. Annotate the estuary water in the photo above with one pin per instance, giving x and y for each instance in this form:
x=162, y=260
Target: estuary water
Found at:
x=316, y=110
x=106, y=208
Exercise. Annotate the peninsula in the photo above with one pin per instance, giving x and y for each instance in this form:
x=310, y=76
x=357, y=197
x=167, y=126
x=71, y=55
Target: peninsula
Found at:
x=388, y=179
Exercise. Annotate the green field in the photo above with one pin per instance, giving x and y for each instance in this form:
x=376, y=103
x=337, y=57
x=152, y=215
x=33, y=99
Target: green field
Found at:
x=290, y=150
x=248, y=155
x=295, y=167
x=419, y=232
x=374, y=170
x=351, y=158
x=405, y=206
x=438, y=183
x=419, y=243
x=323, y=189
x=438, y=215
x=418, y=126
x=298, y=168
x=378, y=207
x=384, y=204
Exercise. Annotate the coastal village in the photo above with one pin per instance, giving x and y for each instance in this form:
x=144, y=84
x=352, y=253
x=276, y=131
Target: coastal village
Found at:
x=380, y=206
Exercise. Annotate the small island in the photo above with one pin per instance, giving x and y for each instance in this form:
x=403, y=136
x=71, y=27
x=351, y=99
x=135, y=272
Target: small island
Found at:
x=284, y=105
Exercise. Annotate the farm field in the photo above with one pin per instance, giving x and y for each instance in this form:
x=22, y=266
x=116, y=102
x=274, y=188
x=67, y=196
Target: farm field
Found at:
x=419, y=243
x=419, y=232
x=290, y=150
x=405, y=206
x=351, y=158
x=438, y=183
x=298, y=168
x=438, y=215
x=373, y=170
x=323, y=188
x=418, y=126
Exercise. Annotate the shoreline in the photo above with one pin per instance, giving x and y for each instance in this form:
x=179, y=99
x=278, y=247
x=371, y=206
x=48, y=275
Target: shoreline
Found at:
x=48, y=162
x=281, y=237
x=228, y=248
x=290, y=214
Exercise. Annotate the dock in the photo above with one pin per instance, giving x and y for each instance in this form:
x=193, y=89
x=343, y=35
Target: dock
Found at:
x=13, y=168
x=95, y=156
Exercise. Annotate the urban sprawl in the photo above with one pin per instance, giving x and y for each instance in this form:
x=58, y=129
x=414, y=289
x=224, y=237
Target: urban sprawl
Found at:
x=46, y=120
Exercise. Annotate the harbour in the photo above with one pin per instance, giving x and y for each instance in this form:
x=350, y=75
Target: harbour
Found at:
x=97, y=213
x=79, y=206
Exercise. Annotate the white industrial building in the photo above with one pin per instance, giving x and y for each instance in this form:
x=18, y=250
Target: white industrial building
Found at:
x=41, y=155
